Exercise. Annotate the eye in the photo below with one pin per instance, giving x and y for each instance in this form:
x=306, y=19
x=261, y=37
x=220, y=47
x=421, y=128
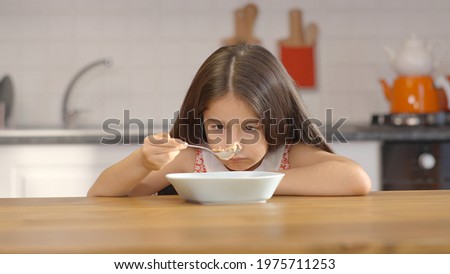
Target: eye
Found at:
x=251, y=127
x=215, y=126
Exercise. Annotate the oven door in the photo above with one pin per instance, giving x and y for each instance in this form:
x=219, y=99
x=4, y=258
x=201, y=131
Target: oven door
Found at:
x=416, y=165
x=445, y=165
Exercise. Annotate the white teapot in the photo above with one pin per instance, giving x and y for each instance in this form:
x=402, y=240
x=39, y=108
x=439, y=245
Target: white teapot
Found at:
x=414, y=58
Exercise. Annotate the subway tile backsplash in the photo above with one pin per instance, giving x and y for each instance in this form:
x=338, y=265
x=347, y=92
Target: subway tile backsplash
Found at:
x=157, y=46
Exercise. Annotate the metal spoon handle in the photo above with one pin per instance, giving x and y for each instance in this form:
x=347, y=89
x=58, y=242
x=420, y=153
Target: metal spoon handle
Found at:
x=223, y=155
x=201, y=147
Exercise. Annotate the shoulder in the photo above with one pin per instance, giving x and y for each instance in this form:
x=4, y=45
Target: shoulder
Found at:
x=304, y=155
x=331, y=166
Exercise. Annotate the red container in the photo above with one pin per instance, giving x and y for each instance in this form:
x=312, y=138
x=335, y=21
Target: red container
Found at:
x=300, y=64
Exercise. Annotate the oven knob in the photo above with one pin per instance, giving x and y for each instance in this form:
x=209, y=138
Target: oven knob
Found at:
x=426, y=161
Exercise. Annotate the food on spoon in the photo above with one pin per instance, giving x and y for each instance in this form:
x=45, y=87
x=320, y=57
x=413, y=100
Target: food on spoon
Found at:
x=235, y=147
x=228, y=152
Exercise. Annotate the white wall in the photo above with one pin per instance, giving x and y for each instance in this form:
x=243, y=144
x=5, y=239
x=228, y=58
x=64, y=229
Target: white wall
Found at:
x=158, y=46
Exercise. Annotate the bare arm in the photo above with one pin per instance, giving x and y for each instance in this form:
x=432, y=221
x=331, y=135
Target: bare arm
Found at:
x=156, y=180
x=316, y=172
x=121, y=178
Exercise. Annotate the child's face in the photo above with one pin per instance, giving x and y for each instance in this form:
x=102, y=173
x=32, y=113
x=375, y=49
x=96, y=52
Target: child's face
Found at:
x=228, y=120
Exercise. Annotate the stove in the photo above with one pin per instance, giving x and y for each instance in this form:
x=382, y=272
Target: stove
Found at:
x=415, y=164
x=412, y=119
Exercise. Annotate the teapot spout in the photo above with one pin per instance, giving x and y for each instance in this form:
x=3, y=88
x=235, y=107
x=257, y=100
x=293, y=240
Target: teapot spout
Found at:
x=386, y=88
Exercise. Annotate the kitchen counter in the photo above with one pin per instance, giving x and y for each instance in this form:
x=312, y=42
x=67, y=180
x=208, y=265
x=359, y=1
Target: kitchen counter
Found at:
x=68, y=136
x=381, y=222
x=361, y=132
x=351, y=132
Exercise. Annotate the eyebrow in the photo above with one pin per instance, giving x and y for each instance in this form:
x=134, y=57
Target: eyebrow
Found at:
x=244, y=122
x=214, y=120
x=252, y=120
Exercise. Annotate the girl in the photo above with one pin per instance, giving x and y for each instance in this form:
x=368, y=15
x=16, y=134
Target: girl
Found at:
x=242, y=94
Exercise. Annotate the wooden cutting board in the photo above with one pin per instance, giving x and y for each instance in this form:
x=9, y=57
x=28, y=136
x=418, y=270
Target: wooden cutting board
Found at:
x=244, y=22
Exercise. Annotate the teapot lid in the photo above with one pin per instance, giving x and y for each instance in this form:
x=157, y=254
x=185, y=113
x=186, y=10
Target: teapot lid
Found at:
x=414, y=58
x=413, y=41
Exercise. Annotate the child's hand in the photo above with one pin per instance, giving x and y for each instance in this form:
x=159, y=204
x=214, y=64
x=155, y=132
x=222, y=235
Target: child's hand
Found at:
x=160, y=149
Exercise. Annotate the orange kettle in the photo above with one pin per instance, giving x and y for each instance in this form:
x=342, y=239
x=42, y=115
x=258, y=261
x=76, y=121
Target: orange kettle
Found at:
x=417, y=94
x=415, y=90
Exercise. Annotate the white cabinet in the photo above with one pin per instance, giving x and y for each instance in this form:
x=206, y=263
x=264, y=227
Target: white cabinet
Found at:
x=57, y=170
x=68, y=170
x=367, y=154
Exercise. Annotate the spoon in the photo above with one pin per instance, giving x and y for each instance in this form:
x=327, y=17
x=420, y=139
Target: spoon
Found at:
x=222, y=153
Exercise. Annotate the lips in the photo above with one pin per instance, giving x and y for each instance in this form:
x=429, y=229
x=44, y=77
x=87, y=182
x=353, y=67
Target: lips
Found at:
x=237, y=159
x=238, y=163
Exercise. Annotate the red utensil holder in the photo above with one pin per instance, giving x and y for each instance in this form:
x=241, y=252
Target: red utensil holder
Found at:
x=300, y=64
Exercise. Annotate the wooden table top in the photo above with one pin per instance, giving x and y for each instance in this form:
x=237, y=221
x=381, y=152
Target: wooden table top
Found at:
x=382, y=222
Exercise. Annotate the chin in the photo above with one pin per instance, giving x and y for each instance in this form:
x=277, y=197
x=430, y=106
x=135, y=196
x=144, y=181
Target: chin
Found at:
x=235, y=168
x=240, y=166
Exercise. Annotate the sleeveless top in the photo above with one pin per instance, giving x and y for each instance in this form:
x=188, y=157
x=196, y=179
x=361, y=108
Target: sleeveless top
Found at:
x=207, y=162
x=276, y=160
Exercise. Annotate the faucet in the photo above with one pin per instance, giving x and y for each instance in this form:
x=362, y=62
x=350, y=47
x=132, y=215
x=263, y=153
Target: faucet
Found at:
x=69, y=115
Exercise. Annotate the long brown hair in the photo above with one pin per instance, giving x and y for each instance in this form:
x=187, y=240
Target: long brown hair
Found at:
x=257, y=77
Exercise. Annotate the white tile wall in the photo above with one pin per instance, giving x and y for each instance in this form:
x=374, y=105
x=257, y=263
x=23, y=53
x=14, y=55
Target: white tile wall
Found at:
x=158, y=45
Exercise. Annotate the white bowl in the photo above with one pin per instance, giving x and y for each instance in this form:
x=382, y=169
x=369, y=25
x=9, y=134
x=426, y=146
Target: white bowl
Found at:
x=226, y=187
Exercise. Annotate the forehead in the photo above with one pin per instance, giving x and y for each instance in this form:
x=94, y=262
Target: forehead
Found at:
x=228, y=107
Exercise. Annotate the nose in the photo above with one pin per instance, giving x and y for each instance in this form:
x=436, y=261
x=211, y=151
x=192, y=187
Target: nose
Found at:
x=234, y=134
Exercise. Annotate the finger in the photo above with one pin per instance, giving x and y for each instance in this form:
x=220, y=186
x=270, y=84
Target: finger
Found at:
x=162, y=139
x=158, y=150
x=179, y=141
x=169, y=144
